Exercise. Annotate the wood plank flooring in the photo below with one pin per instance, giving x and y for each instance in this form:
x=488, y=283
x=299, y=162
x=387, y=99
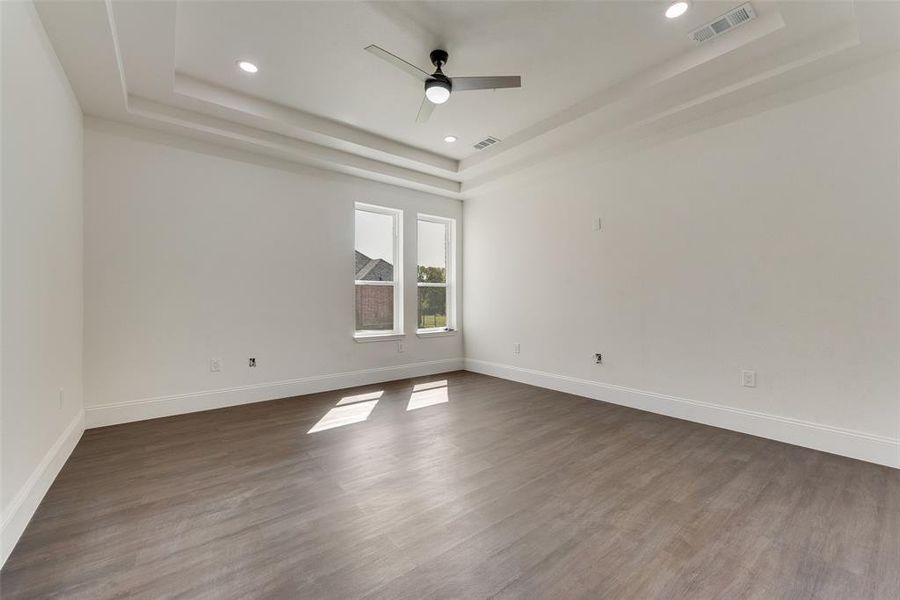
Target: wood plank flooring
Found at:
x=484, y=489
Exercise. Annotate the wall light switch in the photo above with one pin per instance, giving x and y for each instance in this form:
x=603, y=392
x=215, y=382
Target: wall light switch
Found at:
x=596, y=224
x=215, y=365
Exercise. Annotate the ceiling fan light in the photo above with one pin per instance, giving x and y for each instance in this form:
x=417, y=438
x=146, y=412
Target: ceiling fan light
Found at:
x=676, y=9
x=437, y=91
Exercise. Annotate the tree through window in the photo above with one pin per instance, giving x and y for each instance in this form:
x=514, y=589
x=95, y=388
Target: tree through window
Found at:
x=434, y=273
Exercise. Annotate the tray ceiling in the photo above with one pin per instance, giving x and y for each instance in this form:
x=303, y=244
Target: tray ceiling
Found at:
x=590, y=69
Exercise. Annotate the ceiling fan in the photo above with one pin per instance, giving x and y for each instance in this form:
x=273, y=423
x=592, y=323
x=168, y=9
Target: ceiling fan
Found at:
x=437, y=85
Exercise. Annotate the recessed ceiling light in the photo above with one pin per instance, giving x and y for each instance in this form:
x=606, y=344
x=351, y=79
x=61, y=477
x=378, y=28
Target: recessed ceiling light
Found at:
x=676, y=9
x=247, y=66
x=450, y=139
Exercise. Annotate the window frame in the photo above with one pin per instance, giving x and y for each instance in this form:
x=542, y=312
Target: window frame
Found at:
x=450, y=280
x=397, y=215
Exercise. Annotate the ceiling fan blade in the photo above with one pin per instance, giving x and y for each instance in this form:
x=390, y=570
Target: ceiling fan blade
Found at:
x=461, y=84
x=424, y=110
x=398, y=62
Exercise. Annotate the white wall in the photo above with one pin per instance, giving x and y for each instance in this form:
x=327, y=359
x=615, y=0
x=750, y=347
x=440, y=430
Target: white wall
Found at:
x=41, y=268
x=196, y=252
x=771, y=243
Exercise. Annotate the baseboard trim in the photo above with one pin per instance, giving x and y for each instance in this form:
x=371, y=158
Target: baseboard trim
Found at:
x=845, y=442
x=165, y=406
x=26, y=501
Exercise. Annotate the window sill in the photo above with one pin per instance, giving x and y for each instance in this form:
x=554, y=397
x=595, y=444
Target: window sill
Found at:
x=436, y=333
x=378, y=337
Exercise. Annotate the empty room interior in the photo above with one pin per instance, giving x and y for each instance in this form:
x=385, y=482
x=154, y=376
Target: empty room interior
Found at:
x=450, y=300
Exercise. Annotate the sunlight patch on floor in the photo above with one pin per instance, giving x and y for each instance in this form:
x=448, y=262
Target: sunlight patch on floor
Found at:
x=344, y=415
x=428, y=396
x=428, y=385
x=360, y=397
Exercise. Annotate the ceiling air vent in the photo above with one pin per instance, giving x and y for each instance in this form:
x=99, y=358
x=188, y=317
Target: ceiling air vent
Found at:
x=726, y=22
x=488, y=141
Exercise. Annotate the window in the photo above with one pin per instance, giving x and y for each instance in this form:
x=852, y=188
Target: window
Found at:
x=379, y=296
x=435, y=274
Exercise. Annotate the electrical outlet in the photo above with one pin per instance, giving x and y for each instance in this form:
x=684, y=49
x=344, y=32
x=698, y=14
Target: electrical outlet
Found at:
x=215, y=365
x=401, y=348
x=748, y=378
x=598, y=358
x=517, y=348
x=252, y=362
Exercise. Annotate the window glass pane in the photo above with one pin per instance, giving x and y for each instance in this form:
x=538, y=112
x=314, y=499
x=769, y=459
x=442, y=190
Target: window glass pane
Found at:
x=374, y=246
x=432, y=252
x=374, y=307
x=375, y=261
x=432, y=307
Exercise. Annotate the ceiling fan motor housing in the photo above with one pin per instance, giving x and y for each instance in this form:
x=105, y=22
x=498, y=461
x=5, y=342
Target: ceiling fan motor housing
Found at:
x=438, y=57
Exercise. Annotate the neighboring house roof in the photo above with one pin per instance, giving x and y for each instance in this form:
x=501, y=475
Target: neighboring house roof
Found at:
x=373, y=269
x=361, y=261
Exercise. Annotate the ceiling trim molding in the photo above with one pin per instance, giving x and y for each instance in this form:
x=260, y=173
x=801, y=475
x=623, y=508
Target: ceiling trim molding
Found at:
x=300, y=150
x=313, y=128
x=305, y=152
x=175, y=136
x=631, y=87
x=114, y=34
x=598, y=126
x=677, y=125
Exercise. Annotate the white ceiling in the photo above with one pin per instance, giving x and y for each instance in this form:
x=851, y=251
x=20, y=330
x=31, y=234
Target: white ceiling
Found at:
x=311, y=57
x=588, y=68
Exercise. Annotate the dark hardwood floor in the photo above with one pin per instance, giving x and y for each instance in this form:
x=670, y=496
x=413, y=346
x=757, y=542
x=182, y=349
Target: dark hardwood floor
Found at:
x=485, y=489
